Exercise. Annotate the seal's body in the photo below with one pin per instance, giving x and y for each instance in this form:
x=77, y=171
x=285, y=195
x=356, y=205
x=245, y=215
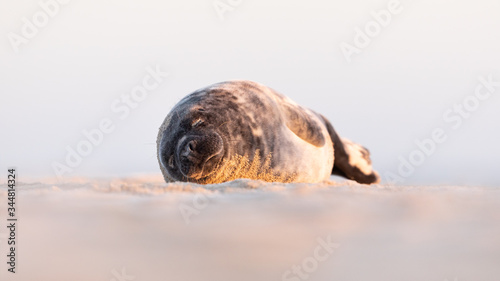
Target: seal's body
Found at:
x=241, y=129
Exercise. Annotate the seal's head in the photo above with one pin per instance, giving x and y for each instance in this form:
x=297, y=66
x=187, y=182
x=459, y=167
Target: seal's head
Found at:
x=189, y=146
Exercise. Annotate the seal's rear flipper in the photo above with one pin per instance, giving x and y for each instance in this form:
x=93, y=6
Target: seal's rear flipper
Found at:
x=352, y=161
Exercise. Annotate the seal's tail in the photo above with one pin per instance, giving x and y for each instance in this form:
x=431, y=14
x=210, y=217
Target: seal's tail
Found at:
x=352, y=160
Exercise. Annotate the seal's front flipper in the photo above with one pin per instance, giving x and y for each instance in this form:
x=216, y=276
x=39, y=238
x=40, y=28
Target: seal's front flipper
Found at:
x=302, y=124
x=352, y=161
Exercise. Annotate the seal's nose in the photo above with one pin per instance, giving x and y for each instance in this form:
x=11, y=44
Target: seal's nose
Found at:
x=190, y=153
x=196, y=152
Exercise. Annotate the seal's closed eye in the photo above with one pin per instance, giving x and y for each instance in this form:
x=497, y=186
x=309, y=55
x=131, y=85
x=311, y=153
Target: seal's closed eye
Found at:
x=242, y=129
x=197, y=122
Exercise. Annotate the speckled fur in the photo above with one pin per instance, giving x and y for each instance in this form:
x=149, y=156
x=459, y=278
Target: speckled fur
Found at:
x=265, y=135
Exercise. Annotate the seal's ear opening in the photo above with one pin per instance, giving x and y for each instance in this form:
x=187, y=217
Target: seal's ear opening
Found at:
x=351, y=160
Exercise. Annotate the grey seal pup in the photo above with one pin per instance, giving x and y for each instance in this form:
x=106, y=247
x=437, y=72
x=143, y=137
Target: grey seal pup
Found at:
x=242, y=129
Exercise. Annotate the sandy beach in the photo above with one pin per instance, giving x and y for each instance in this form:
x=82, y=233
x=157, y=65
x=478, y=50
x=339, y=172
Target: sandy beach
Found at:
x=87, y=87
x=141, y=228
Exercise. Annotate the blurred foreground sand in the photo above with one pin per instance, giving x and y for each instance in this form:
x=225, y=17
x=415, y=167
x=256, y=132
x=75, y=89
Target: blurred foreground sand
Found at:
x=88, y=229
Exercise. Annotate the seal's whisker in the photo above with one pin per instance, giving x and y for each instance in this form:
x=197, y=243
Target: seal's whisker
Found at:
x=223, y=124
x=266, y=136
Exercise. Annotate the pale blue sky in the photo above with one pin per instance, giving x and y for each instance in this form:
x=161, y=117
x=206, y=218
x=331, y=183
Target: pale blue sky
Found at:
x=395, y=91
